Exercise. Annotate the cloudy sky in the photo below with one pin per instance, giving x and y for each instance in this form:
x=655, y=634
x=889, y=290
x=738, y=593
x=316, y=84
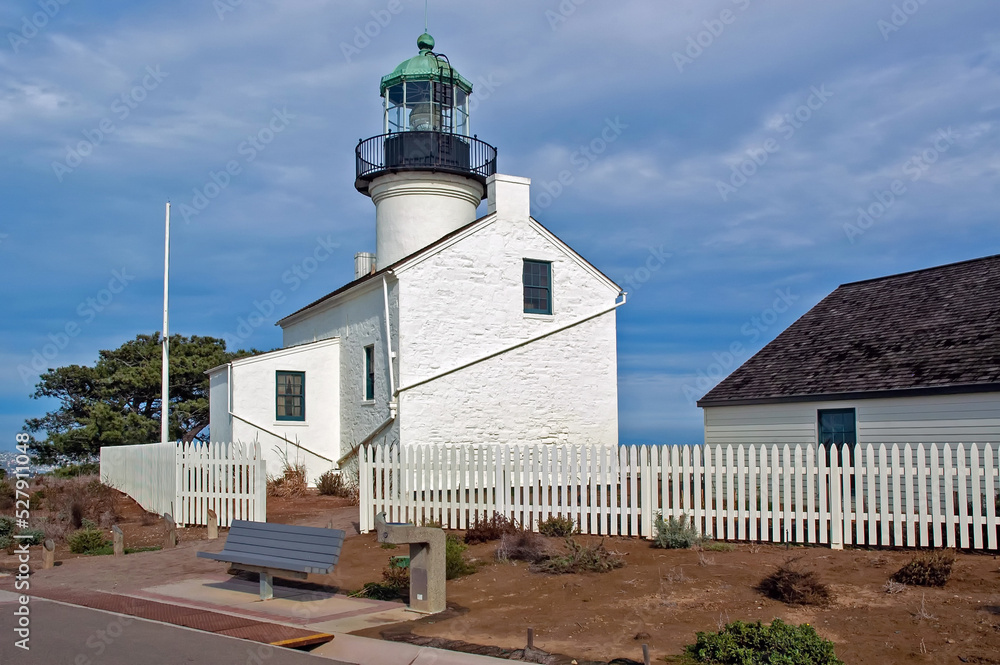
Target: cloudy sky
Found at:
x=763, y=153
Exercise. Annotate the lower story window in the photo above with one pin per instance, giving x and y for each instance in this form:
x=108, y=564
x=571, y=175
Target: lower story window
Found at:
x=369, y=373
x=290, y=395
x=838, y=427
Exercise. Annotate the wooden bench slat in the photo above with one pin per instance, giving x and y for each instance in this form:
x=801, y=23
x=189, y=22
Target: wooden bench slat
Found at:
x=276, y=550
x=307, y=543
x=270, y=562
x=289, y=529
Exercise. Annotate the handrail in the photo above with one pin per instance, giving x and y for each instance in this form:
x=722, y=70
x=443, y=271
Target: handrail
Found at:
x=424, y=151
x=275, y=434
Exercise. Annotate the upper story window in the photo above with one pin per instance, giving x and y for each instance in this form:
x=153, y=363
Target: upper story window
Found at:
x=537, y=277
x=370, y=373
x=838, y=427
x=290, y=395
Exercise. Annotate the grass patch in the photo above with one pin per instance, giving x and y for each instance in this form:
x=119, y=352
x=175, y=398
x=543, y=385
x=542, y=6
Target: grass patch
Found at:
x=741, y=643
x=486, y=529
x=927, y=569
x=110, y=549
x=87, y=541
x=675, y=533
x=581, y=559
x=790, y=584
x=558, y=527
x=713, y=546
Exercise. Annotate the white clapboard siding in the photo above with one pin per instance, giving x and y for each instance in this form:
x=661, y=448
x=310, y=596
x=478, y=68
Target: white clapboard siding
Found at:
x=187, y=480
x=886, y=495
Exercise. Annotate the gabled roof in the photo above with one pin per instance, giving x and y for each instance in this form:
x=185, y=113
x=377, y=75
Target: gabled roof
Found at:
x=440, y=243
x=932, y=331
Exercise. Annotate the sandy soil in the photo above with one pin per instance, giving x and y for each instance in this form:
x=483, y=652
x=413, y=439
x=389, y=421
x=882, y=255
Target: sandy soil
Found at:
x=661, y=597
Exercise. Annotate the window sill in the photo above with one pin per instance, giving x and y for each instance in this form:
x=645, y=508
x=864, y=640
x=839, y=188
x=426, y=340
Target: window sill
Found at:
x=539, y=317
x=290, y=423
x=367, y=402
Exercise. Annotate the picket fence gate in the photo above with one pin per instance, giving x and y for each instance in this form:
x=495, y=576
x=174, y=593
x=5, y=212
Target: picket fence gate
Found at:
x=189, y=479
x=874, y=495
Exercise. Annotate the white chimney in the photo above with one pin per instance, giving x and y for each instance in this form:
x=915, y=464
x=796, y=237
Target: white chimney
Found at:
x=364, y=264
x=509, y=196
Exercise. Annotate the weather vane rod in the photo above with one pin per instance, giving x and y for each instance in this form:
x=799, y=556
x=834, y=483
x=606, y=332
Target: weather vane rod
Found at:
x=425, y=14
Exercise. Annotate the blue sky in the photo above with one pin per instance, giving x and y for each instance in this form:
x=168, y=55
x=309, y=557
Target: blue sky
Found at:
x=763, y=153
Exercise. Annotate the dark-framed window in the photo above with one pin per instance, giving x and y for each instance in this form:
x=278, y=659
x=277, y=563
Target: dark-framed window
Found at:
x=537, y=277
x=370, y=372
x=290, y=395
x=838, y=427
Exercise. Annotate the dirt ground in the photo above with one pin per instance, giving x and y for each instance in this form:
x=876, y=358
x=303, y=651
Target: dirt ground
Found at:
x=661, y=597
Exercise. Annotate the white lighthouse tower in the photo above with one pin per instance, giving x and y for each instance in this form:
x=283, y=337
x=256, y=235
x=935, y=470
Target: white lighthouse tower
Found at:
x=426, y=173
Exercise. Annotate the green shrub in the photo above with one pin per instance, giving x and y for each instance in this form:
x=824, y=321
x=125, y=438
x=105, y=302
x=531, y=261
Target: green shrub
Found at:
x=675, y=533
x=485, y=529
x=86, y=540
x=7, y=543
x=580, y=558
x=395, y=584
x=756, y=644
x=713, y=546
x=927, y=569
x=558, y=527
x=31, y=536
x=6, y=525
x=455, y=564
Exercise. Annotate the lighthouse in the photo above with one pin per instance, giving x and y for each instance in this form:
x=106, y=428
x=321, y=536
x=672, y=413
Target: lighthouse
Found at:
x=426, y=172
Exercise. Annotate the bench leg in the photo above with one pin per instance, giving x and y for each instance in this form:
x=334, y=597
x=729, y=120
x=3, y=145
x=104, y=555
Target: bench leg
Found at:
x=266, y=586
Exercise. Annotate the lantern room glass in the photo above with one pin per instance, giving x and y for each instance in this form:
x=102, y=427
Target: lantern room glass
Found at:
x=426, y=106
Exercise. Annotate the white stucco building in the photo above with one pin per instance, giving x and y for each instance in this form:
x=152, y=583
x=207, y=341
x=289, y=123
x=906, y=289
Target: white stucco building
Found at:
x=457, y=330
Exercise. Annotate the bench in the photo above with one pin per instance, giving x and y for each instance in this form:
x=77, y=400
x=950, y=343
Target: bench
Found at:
x=279, y=550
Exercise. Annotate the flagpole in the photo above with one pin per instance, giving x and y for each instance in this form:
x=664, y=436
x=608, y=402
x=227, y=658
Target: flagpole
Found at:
x=165, y=342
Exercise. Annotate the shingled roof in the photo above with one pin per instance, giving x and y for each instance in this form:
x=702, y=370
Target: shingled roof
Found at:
x=930, y=331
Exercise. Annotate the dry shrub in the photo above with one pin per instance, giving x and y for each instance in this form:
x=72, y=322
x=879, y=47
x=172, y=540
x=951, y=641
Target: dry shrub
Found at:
x=332, y=483
x=790, y=584
x=291, y=482
x=581, y=559
x=485, y=529
x=6, y=495
x=927, y=569
x=522, y=546
x=75, y=500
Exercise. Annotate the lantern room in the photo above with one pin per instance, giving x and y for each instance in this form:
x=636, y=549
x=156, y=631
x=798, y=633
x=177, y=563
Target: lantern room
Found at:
x=425, y=123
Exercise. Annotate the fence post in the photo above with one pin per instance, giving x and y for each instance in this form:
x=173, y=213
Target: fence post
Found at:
x=834, y=487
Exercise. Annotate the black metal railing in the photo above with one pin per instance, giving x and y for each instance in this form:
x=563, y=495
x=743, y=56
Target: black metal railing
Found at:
x=424, y=151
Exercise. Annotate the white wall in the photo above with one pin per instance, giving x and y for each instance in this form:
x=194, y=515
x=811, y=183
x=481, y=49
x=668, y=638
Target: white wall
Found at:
x=931, y=419
x=220, y=428
x=253, y=400
x=358, y=321
x=467, y=301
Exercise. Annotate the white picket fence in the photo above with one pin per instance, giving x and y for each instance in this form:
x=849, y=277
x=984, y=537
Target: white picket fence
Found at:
x=882, y=495
x=189, y=479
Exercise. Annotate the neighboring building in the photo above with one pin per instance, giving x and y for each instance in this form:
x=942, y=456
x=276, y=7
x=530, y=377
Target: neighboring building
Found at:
x=457, y=330
x=907, y=358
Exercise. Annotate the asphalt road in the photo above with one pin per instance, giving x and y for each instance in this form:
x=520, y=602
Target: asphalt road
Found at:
x=69, y=635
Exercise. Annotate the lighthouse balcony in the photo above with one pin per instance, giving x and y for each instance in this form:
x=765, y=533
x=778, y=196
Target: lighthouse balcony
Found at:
x=441, y=152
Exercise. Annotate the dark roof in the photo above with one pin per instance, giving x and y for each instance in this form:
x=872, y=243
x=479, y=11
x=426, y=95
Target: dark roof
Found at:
x=442, y=239
x=929, y=331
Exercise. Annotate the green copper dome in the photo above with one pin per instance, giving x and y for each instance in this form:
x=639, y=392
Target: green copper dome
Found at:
x=424, y=67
